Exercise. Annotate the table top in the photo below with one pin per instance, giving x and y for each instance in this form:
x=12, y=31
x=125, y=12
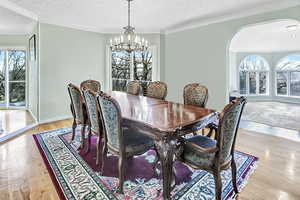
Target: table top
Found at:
x=165, y=116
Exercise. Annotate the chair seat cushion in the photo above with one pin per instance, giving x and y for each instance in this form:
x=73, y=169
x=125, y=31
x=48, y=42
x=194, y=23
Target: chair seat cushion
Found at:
x=136, y=142
x=198, y=158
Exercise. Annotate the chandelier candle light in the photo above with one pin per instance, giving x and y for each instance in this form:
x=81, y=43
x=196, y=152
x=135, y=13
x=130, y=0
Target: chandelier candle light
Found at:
x=129, y=41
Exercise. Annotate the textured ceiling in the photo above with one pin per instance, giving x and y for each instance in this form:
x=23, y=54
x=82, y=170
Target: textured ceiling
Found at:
x=269, y=37
x=14, y=23
x=148, y=15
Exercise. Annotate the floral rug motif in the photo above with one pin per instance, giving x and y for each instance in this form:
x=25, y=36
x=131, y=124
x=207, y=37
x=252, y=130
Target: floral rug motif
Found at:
x=76, y=176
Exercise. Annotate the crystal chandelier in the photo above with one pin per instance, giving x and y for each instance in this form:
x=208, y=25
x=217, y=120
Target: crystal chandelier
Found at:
x=129, y=41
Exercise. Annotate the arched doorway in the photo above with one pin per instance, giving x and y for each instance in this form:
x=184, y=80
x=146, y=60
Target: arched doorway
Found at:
x=265, y=67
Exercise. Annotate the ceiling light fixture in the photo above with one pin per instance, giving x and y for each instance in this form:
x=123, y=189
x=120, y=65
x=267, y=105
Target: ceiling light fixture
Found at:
x=292, y=27
x=129, y=41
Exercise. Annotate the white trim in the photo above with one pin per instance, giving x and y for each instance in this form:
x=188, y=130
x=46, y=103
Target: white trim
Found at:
x=55, y=119
x=18, y=132
x=195, y=23
x=33, y=116
x=14, y=7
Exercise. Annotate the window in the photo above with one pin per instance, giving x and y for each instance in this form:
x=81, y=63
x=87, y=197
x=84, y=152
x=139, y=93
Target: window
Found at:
x=254, y=76
x=126, y=66
x=288, y=76
x=12, y=78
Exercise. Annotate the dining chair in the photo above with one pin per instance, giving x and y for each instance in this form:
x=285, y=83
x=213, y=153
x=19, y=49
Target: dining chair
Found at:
x=120, y=141
x=134, y=87
x=157, y=90
x=196, y=94
x=94, y=117
x=78, y=110
x=204, y=153
x=91, y=84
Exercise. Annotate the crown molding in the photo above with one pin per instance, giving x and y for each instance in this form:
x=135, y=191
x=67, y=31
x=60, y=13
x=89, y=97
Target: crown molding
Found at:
x=198, y=22
x=15, y=8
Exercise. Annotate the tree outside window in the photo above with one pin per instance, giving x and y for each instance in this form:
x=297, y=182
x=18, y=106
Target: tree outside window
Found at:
x=127, y=67
x=253, y=76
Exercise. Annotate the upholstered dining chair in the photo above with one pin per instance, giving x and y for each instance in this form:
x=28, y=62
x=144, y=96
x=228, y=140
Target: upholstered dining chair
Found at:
x=157, y=90
x=204, y=153
x=91, y=84
x=195, y=94
x=78, y=110
x=95, y=121
x=134, y=87
x=120, y=141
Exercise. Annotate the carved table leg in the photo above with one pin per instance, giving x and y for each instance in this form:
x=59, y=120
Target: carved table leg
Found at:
x=166, y=150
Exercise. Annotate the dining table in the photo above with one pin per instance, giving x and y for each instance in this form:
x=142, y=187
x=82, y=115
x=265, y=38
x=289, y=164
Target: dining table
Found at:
x=164, y=121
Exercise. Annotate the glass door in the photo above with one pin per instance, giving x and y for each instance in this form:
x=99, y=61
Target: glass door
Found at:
x=12, y=78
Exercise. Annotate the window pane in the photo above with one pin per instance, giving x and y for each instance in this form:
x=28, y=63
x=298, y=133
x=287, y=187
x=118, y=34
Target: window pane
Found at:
x=2, y=78
x=120, y=70
x=142, y=65
x=281, y=78
x=252, y=82
x=243, y=89
x=16, y=65
x=17, y=93
x=295, y=83
x=262, y=82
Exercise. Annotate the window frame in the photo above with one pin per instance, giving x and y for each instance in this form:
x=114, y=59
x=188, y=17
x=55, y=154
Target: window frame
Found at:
x=155, y=66
x=289, y=72
x=256, y=78
x=6, y=104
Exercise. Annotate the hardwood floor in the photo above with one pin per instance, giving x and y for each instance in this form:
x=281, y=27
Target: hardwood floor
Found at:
x=13, y=120
x=23, y=174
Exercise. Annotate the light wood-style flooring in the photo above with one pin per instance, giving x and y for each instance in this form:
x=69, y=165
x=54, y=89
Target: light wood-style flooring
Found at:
x=13, y=120
x=23, y=174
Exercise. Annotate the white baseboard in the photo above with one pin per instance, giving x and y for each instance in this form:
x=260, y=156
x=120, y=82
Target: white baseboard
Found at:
x=32, y=115
x=55, y=119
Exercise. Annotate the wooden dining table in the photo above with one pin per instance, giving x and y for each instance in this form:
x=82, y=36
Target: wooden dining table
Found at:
x=165, y=122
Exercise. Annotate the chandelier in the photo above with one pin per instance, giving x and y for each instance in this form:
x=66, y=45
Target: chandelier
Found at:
x=129, y=41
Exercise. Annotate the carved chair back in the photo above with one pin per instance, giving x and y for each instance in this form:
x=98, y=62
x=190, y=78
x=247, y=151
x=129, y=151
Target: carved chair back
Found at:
x=112, y=122
x=91, y=84
x=76, y=103
x=134, y=87
x=92, y=110
x=228, y=127
x=195, y=94
x=157, y=90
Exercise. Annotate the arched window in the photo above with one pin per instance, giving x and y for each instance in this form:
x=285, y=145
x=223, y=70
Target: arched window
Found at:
x=254, y=76
x=288, y=76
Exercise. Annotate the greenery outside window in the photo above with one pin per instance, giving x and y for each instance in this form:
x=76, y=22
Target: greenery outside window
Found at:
x=12, y=78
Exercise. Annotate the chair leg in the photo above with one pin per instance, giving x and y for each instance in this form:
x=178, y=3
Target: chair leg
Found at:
x=104, y=153
x=233, y=171
x=88, y=149
x=82, y=136
x=98, y=151
x=121, y=174
x=74, y=125
x=218, y=184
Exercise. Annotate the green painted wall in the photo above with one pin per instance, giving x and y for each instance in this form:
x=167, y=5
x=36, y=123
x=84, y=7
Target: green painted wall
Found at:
x=200, y=55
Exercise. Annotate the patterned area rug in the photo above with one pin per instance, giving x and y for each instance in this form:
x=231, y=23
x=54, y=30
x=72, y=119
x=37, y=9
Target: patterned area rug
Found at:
x=76, y=175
